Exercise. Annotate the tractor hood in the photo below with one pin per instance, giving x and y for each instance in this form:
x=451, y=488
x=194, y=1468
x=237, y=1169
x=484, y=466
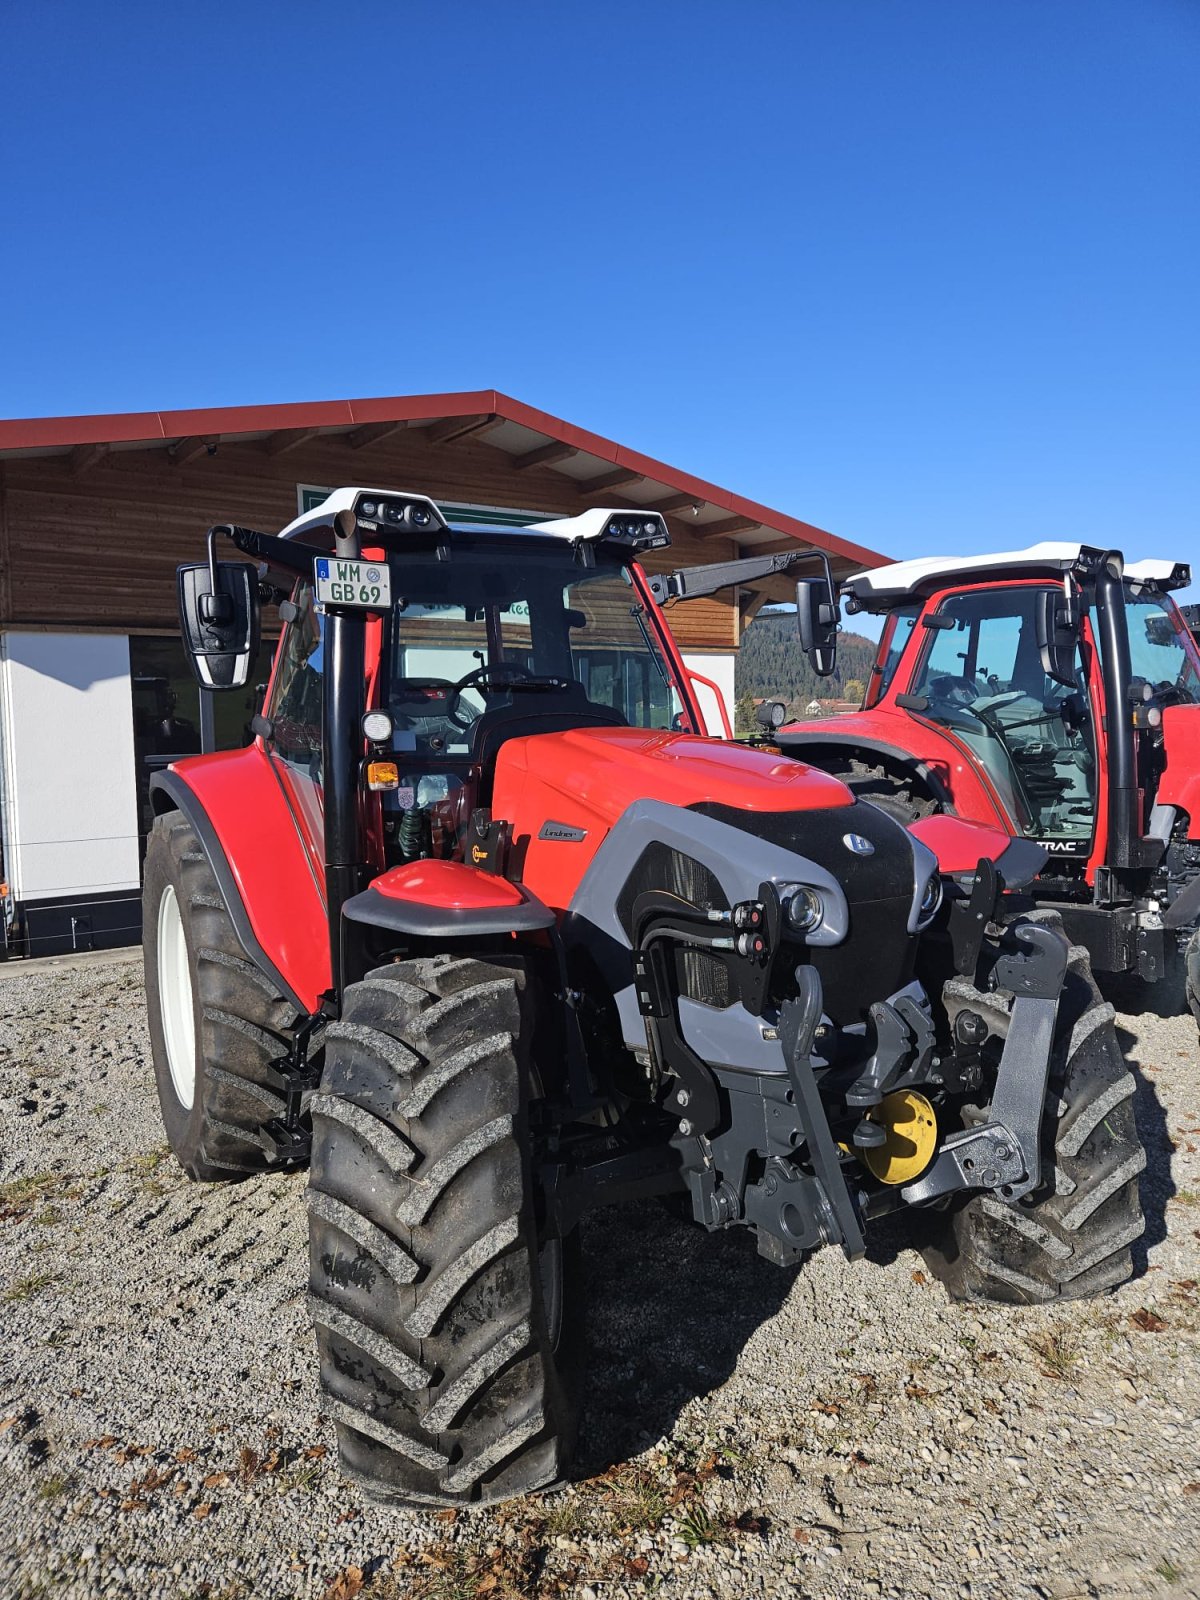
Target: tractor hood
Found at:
x=600, y=772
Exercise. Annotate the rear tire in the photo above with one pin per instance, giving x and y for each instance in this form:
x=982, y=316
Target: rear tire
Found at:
x=1071, y=1237
x=447, y=1338
x=218, y=1026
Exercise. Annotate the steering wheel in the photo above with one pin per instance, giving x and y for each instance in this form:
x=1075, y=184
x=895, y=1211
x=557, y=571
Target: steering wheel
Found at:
x=433, y=698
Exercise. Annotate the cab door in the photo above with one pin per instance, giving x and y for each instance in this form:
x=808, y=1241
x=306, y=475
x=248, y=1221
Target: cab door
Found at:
x=293, y=712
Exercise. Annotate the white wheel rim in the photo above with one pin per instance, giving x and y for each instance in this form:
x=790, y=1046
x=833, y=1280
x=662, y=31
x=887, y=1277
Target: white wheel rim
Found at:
x=175, y=999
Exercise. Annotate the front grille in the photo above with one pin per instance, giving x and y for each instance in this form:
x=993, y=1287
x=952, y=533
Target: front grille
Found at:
x=877, y=956
x=701, y=975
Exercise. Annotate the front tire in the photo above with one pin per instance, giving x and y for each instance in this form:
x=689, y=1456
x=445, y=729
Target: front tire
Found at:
x=218, y=1026
x=447, y=1336
x=1071, y=1237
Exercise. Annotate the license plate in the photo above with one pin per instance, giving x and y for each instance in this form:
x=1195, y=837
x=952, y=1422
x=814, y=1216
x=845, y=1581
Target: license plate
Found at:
x=353, y=583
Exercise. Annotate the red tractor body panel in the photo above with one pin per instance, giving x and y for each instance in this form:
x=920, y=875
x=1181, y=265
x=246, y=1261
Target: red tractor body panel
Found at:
x=888, y=727
x=553, y=786
x=241, y=795
x=1180, y=783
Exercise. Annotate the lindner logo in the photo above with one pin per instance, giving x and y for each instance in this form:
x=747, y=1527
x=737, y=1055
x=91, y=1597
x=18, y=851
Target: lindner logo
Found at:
x=858, y=846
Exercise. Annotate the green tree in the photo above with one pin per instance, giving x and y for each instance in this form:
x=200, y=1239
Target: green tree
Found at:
x=771, y=665
x=853, y=689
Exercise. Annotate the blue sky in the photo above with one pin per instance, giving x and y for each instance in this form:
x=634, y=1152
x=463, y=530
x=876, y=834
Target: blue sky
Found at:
x=924, y=273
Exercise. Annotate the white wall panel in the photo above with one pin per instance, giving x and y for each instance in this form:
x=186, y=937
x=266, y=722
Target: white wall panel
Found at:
x=66, y=741
x=720, y=669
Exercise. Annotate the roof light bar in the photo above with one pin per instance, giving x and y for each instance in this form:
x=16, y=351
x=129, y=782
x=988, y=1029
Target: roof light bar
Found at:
x=374, y=509
x=636, y=530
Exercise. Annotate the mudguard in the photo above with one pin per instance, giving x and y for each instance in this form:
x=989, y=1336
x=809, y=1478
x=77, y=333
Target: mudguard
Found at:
x=447, y=900
x=250, y=835
x=959, y=845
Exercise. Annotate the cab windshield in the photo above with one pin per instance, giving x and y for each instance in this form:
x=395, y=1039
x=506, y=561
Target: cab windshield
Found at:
x=1160, y=649
x=518, y=630
x=982, y=678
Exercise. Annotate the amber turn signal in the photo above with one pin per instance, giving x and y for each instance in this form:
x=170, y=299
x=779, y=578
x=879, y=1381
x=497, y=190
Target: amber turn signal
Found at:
x=382, y=775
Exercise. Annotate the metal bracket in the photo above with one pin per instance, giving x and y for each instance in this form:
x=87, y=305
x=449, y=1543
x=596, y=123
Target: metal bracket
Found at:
x=1006, y=1153
x=797, y=1022
x=976, y=1158
x=969, y=918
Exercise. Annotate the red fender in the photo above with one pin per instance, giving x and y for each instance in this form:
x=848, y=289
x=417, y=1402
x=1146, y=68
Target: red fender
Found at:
x=276, y=897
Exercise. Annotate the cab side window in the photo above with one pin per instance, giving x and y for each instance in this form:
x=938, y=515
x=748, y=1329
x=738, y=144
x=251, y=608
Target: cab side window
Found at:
x=295, y=708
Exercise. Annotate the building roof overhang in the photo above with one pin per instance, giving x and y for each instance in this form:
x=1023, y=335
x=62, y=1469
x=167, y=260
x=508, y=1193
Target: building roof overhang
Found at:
x=601, y=471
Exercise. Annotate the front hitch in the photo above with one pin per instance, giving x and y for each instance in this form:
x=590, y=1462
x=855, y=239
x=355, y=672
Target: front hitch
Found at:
x=1005, y=1153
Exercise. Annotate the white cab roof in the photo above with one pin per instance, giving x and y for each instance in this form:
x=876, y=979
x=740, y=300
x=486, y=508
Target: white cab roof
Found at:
x=589, y=524
x=1054, y=556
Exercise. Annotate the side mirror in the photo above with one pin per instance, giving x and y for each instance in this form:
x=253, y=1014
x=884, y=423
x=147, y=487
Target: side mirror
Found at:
x=817, y=618
x=1057, y=620
x=220, y=624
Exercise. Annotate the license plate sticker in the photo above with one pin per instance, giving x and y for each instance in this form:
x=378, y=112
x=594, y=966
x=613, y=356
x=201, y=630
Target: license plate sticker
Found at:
x=367, y=584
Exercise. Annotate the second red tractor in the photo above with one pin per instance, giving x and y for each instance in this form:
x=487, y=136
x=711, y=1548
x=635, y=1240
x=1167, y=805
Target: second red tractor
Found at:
x=1053, y=693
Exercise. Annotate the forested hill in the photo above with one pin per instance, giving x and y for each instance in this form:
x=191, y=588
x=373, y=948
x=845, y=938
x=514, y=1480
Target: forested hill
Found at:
x=771, y=664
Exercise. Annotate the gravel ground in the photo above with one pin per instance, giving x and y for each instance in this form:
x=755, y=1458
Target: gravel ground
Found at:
x=843, y=1431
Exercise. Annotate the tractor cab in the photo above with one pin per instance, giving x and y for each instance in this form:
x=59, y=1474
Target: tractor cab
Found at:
x=487, y=634
x=1053, y=691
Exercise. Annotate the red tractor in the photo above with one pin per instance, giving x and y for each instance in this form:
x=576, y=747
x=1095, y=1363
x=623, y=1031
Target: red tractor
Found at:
x=483, y=927
x=1053, y=693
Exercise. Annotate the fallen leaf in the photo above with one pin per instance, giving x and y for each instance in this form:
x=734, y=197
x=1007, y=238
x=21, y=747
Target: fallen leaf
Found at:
x=203, y=1511
x=637, y=1566
x=827, y=1408
x=216, y=1479
x=1148, y=1321
x=346, y=1585
x=1191, y=1488
x=753, y=1522
x=914, y=1391
x=315, y=1452
x=801, y=1535
x=135, y=1505
x=919, y=1277
x=8, y=1423
x=185, y=1455
x=487, y=1583
x=860, y=1460
x=450, y=1514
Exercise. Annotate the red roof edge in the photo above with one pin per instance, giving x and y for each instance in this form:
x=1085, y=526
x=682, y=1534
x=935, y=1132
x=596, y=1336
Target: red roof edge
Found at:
x=33, y=433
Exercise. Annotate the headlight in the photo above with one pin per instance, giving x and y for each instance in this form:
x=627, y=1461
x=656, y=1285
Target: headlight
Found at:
x=805, y=908
x=930, y=901
x=377, y=727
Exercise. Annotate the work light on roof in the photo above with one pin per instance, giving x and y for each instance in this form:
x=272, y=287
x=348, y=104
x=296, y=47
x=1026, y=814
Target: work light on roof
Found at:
x=643, y=532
